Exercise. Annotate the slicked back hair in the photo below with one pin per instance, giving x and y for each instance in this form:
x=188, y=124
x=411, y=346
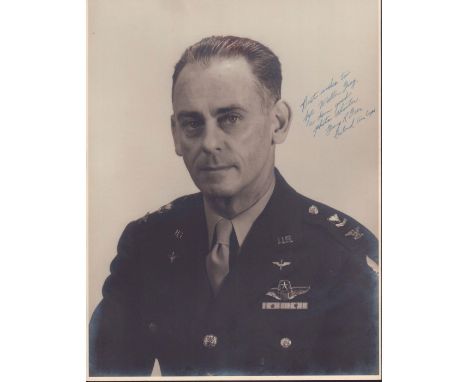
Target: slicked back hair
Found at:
x=264, y=63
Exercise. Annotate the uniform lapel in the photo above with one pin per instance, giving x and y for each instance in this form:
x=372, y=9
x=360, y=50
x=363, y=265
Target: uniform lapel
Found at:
x=276, y=236
x=193, y=248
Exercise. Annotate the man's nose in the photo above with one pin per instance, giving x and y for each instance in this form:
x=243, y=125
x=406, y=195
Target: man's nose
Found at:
x=212, y=138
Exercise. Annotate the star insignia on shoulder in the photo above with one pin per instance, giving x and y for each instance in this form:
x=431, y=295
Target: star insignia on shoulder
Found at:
x=165, y=208
x=313, y=210
x=144, y=219
x=286, y=292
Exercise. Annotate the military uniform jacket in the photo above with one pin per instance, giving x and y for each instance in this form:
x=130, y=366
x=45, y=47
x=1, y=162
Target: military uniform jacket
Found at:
x=300, y=297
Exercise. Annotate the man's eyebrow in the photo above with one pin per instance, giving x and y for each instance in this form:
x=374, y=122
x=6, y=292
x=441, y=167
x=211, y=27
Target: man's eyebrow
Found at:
x=221, y=110
x=188, y=114
x=227, y=109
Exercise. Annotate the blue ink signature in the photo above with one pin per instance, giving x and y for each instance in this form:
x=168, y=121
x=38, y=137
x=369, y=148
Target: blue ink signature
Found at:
x=323, y=119
x=344, y=75
x=308, y=118
x=349, y=84
x=331, y=85
x=329, y=98
x=351, y=113
x=337, y=107
x=344, y=104
x=307, y=101
x=343, y=127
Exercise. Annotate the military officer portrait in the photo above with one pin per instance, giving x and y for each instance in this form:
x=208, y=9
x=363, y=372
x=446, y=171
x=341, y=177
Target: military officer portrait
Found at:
x=246, y=277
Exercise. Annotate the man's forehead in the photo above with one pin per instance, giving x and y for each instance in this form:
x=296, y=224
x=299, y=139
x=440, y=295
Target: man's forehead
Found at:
x=215, y=67
x=223, y=80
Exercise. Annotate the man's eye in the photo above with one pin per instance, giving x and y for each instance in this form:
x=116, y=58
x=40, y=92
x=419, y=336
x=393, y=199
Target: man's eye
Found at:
x=191, y=126
x=229, y=120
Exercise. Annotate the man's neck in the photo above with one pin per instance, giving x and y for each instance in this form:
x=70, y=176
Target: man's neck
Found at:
x=230, y=207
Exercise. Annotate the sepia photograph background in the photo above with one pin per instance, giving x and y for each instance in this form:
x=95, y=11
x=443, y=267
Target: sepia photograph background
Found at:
x=132, y=49
x=44, y=118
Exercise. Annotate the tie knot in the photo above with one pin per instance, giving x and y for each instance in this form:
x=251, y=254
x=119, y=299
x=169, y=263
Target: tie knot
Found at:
x=223, y=231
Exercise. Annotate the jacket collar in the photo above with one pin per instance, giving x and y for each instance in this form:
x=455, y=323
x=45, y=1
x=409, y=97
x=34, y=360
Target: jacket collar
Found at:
x=275, y=235
x=278, y=227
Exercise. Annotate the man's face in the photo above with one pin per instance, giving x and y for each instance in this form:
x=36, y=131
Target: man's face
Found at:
x=222, y=128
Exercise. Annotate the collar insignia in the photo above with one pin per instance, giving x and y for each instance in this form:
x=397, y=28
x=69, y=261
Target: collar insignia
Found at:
x=281, y=240
x=355, y=233
x=172, y=256
x=337, y=221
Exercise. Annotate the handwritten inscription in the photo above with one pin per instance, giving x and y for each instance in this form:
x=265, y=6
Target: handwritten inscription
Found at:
x=335, y=108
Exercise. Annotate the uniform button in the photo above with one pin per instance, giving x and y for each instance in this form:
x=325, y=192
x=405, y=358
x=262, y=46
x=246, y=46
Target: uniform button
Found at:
x=285, y=342
x=153, y=328
x=210, y=341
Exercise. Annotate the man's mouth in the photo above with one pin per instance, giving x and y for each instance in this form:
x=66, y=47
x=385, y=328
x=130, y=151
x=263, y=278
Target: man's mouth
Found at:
x=215, y=168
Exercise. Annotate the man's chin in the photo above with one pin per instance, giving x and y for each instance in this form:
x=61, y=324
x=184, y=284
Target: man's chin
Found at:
x=218, y=190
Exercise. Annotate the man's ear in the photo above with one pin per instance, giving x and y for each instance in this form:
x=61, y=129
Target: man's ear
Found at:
x=175, y=137
x=282, y=114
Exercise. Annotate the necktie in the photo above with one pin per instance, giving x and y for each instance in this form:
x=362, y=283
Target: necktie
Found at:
x=217, y=261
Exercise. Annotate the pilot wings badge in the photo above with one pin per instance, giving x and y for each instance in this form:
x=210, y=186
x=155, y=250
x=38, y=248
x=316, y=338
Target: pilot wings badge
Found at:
x=285, y=293
x=281, y=264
